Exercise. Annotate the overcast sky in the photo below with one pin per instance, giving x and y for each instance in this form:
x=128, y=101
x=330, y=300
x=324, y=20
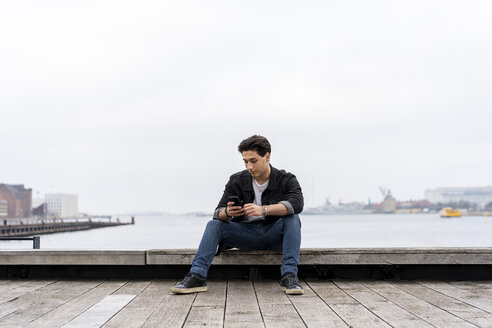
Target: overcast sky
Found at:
x=140, y=105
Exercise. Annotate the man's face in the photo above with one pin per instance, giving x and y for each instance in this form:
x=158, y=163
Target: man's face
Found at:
x=255, y=164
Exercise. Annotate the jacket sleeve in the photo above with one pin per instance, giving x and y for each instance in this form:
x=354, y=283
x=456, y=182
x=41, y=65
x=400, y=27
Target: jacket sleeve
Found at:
x=228, y=191
x=293, y=199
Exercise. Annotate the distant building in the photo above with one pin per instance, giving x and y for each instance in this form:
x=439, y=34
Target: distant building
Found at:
x=412, y=204
x=40, y=210
x=340, y=208
x=3, y=209
x=389, y=204
x=36, y=202
x=478, y=195
x=38, y=207
x=19, y=200
x=62, y=205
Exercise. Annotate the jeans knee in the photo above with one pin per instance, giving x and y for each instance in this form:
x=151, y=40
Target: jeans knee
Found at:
x=292, y=219
x=214, y=224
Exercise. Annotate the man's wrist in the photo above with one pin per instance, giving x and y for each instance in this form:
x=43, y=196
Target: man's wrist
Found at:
x=265, y=211
x=227, y=214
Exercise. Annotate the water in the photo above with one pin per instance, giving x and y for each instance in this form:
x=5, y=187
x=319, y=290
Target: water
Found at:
x=319, y=231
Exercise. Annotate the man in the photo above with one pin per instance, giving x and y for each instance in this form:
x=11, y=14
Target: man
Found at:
x=268, y=220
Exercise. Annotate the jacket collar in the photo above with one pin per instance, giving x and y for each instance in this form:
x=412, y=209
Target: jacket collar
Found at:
x=272, y=184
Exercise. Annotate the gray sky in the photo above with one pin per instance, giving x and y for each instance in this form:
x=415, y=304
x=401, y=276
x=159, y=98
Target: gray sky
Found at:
x=141, y=105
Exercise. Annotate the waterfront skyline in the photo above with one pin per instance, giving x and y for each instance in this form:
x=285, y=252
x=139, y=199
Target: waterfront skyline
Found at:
x=140, y=107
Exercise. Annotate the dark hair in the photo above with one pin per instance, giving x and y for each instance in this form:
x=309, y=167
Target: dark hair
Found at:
x=259, y=144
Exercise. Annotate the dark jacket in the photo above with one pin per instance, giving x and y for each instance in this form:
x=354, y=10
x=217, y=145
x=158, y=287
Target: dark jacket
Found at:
x=283, y=188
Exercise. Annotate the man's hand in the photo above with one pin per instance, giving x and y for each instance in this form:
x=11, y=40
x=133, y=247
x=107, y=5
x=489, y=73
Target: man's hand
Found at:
x=234, y=210
x=253, y=210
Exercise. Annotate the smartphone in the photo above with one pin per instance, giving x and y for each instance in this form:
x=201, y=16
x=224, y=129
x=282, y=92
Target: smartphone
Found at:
x=236, y=200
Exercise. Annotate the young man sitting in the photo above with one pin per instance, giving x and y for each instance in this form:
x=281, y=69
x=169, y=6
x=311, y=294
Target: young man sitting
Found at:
x=268, y=220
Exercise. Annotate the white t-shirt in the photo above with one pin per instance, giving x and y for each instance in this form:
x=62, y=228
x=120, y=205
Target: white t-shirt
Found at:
x=258, y=189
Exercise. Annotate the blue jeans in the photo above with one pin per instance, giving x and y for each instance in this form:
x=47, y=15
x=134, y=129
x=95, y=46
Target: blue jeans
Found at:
x=283, y=234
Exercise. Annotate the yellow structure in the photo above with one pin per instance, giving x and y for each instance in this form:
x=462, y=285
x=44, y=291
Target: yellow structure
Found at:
x=448, y=212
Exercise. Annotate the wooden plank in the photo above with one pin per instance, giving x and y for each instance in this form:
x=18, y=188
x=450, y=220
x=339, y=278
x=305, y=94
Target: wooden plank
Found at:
x=476, y=283
x=475, y=287
x=474, y=299
x=242, y=308
x=347, y=308
x=275, y=306
x=12, y=294
x=100, y=312
x=458, y=308
x=11, y=284
x=208, y=307
x=171, y=311
x=66, y=312
x=215, y=296
x=410, y=255
x=484, y=283
x=47, y=302
x=133, y=287
x=25, y=300
x=139, y=310
x=314, y=311
x=383, y=308
x=72, y=257
x=210, y=316
x=420, y=308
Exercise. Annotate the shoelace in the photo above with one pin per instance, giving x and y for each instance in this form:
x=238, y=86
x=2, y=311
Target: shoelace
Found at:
x=186, y=279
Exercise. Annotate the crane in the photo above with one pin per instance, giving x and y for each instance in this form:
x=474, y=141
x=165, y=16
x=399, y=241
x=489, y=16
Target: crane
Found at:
x=385, y=191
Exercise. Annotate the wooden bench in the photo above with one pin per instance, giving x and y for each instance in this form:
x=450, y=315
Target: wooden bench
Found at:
x=332, y=256
x=377, y=263
x=309, y=256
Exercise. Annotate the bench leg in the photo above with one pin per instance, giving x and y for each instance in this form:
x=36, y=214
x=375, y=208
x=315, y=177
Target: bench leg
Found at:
x=253, y=273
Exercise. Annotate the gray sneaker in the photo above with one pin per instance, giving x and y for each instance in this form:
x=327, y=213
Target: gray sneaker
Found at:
x=290, y=284
x=192, y=283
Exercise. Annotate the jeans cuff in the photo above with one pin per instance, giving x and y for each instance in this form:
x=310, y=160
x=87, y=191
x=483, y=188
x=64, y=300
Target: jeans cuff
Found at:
x=282, y=272
x=199, y=272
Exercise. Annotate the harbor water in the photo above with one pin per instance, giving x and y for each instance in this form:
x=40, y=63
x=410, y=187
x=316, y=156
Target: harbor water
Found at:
x=318, y=231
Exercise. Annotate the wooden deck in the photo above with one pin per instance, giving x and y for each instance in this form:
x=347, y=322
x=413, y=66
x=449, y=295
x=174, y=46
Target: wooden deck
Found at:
x=241, y=303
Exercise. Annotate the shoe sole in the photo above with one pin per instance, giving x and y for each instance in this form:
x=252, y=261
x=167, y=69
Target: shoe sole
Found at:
x=293, y=291
x=188, y=290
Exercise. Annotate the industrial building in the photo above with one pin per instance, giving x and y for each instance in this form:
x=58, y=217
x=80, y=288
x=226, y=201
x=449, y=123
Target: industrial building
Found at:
x=3, y=209
x=18, y=200
x=62, y=205
x=478, y=195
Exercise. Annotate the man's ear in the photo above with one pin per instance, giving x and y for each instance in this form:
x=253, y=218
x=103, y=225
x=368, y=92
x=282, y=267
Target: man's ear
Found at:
x=267, y=157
